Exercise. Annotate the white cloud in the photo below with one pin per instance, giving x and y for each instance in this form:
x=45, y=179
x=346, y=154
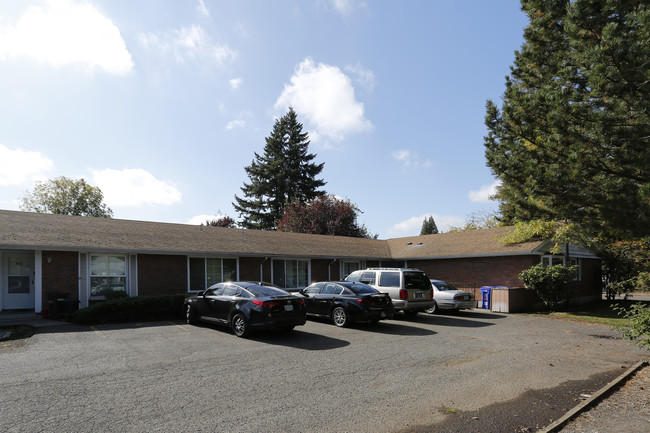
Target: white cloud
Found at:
x=203, y=10
x=325, y=96
x=189, y=44
x=65, y=33
x=410, y=159
x=346, y=7
x=413, y=225
x=201, y=219
x=235, y=124
x=20, y=166
x=134, y=187
x=364, y=77
x=484, y=193
x=235, y=83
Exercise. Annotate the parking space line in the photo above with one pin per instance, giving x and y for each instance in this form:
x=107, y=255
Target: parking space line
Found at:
x=179, y=326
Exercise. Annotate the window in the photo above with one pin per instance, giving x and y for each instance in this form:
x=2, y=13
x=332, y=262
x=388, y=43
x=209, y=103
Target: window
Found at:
x=389, y=279
x=552, y=260
x=290, y=274
x=368, y=277
x=107, y=275
x=348, y=267
x=204, y=272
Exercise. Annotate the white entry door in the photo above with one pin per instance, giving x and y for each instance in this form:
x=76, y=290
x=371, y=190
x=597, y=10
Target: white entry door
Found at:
x=18, y=284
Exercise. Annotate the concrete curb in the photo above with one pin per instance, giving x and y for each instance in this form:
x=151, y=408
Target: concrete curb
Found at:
x=593, y=400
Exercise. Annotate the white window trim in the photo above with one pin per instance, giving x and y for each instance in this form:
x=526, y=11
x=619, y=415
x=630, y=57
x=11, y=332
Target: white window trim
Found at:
x=89, y=276
x=550, y=258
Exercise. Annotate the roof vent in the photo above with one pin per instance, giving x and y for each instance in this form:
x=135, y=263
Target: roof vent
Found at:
x=419, y=243
x=409, y=243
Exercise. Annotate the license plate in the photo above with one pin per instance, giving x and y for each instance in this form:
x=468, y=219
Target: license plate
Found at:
x=419, y=295
x=467, y=297
x=288, y=307
x=382, y=315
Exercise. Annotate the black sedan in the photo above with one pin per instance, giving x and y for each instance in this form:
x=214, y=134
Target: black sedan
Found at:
x=345, y=302
x=245, y=306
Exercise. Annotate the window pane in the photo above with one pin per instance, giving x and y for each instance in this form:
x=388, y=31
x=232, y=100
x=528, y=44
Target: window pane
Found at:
x=213, y=269
x=291, y=269
x=229, y=269
x=389, y=279
x=98, y=265
x=278, y=273
x=197, y=274
x=303, y=274
x=116, y=265
x=102, y=286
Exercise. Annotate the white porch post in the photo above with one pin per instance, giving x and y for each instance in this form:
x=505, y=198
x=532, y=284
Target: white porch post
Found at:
x=38, y=281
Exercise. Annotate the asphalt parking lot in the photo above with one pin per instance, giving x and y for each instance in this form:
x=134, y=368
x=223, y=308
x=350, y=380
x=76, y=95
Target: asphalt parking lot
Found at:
x=401, y=374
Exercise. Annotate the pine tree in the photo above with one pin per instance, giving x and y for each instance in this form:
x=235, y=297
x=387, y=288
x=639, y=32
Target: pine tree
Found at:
x=571, y=141
x=284, y=174
x=429, y=226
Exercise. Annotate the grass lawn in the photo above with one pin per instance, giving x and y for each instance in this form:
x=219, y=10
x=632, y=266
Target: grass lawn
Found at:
x=598, y=312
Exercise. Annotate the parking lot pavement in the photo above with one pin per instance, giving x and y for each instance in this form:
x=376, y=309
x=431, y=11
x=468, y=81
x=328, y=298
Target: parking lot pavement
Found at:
x=399, y=374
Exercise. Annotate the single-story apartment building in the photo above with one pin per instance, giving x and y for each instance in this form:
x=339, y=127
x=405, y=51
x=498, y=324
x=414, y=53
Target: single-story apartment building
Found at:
x=44, y=256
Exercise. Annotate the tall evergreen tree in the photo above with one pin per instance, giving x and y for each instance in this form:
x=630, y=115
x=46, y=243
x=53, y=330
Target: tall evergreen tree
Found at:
x=571, y=141
x=429, y=226
x=284, y=174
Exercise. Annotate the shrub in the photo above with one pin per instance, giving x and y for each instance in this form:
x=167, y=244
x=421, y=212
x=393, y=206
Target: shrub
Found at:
x=135, y=309
x=553, y=284
x=639, y=328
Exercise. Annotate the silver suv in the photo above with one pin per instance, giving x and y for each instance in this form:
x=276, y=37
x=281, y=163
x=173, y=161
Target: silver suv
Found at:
x=409, y=289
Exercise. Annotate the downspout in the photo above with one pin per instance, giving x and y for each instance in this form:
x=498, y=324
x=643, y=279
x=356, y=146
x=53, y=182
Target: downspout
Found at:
x=329, y=271
x=262, y=268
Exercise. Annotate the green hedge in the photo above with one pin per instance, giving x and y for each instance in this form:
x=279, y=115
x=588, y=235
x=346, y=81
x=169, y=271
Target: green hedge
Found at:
x=136, y=309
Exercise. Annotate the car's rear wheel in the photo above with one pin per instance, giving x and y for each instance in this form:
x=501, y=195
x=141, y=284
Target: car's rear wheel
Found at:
x=190, y=315
x=432, y=310
x=239, y=325
x=339, y=317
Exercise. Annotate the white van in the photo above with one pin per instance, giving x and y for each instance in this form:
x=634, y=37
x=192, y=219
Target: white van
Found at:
x=409, y=289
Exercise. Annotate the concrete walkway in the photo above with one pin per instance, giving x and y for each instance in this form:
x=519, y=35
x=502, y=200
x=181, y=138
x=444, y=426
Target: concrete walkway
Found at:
x=15, y=318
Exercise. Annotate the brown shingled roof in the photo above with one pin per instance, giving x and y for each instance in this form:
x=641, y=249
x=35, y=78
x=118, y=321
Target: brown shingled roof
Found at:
x=460, y=244
x=26, y=230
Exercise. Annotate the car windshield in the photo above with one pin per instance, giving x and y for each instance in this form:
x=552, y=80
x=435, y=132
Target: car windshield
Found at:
x=261, y=291
x=442, y=286
x=416, y=281
x=361, y=289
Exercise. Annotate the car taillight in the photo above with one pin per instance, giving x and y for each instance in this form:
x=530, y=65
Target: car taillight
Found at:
x=265, y=304
x=301, y=301
x=431, y=293
x=403, y=294
x=363, y=301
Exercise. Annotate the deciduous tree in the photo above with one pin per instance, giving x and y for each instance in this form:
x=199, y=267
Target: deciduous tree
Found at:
x=66, y=197
x=324, y=215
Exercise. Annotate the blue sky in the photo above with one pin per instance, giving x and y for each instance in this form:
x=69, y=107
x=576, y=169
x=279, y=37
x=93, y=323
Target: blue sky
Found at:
x=161, y=104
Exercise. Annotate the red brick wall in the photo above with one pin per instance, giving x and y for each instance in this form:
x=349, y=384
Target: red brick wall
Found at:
x=60, y=275
x=479, y=271
x=324, y=270
x=161, y=275
x=249, y=268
